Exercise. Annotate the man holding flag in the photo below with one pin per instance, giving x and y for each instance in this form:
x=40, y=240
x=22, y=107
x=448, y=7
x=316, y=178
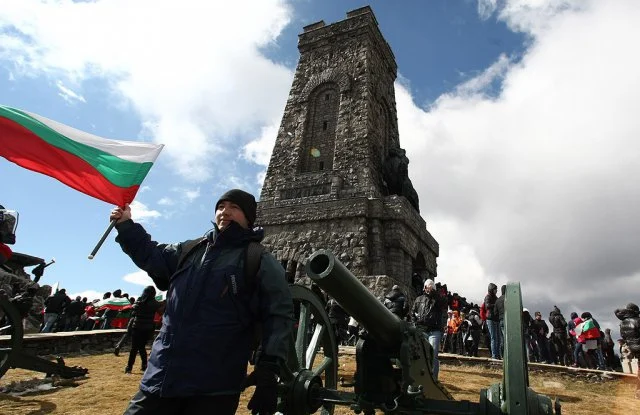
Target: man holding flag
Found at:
x=198, y=363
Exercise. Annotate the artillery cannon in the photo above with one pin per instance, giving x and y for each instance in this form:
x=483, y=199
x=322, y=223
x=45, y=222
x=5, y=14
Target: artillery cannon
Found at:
x=393, y=361
x=15, y=356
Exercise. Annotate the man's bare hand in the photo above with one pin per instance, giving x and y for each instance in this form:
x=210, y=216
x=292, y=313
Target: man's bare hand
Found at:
x=120, y=214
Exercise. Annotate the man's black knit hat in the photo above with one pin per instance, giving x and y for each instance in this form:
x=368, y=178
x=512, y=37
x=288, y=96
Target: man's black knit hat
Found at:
x=245, y=200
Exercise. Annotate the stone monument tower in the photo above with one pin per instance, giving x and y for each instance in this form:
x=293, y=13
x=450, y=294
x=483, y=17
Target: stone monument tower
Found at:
x=338, y=178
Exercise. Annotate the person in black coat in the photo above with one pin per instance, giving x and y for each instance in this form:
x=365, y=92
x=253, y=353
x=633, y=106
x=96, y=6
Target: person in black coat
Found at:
x=559, y=337
x=74, y=310
x=142, y=326
x=540, y=331
x=630, y=332
x=493, y=320
x=427, y=314
x=396, y=302
x=54, y=307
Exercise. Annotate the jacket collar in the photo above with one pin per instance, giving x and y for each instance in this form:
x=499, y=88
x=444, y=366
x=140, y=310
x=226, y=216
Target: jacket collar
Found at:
x=234, y=235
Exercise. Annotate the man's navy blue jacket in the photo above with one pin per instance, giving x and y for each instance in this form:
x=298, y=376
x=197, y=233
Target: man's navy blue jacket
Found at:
x=208, y=326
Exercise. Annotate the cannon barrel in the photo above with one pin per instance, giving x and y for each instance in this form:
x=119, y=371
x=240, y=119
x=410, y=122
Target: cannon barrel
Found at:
x=334, y=278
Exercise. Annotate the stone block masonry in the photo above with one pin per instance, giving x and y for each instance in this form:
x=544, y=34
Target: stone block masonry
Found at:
x=337, y=177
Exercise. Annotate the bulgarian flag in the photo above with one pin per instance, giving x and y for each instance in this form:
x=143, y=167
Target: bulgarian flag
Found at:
x=589, y=330
x=108, y=170
x=114, y=303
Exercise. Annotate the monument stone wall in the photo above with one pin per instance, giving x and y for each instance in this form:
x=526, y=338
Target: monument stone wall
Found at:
x=337, y=178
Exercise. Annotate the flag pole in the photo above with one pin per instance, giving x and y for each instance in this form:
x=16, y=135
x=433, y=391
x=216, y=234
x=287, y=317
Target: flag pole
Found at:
x=104, y=236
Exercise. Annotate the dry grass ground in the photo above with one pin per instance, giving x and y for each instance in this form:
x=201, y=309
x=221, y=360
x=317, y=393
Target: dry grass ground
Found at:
x=107, y=389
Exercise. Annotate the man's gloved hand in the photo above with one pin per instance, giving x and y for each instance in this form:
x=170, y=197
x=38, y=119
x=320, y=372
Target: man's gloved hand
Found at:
x=265, y=378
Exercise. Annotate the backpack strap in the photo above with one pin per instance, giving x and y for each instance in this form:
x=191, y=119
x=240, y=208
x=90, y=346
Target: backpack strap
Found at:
x=188, y=247
x=252, y=257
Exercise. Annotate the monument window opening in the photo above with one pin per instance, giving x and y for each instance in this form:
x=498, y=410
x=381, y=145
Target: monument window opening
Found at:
x=318, y=143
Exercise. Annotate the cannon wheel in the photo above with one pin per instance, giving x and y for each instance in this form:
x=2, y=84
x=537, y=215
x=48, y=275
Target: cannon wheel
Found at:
x=312, y=333
x=11, y=325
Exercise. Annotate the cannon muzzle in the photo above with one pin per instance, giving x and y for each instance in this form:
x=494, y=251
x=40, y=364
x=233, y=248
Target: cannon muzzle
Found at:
x=334, y=278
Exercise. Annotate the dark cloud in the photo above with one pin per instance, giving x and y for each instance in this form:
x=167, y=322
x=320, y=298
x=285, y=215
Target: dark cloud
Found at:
x=539, y=183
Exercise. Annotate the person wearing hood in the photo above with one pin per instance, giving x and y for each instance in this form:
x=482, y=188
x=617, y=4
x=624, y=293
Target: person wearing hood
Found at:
x=630, y=332
x=199, y=360
x=571, y=326
x=493, y=320
x=630, y=327
x=559, y=336
x=396, y=302
x=474, y=332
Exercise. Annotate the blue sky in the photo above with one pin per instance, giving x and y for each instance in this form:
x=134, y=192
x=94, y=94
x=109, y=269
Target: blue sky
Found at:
x=519, y=118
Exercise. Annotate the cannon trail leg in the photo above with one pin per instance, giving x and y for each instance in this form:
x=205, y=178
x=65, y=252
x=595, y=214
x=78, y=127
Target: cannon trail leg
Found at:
x=14, y=355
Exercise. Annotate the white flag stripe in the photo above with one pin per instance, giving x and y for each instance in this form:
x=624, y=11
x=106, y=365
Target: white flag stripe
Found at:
x=134, y=151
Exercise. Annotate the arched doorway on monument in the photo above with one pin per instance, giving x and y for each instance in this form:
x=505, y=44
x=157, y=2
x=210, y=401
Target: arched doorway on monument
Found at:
x=419, y=273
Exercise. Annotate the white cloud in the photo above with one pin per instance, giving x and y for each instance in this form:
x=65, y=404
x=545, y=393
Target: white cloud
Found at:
x=67, y=94
x=259, y=150
x=138, y=278
x=166, y=201
x=537, y=16
x=538, y=183
x=486, y=8
x=260, y=176
x=184, y=197
x=141, y=213
x=480, y=84
x=192, y=70
x=191, y=194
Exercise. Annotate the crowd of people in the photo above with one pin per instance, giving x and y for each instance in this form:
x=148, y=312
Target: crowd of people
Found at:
x=112, y=311
x=454, y=325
